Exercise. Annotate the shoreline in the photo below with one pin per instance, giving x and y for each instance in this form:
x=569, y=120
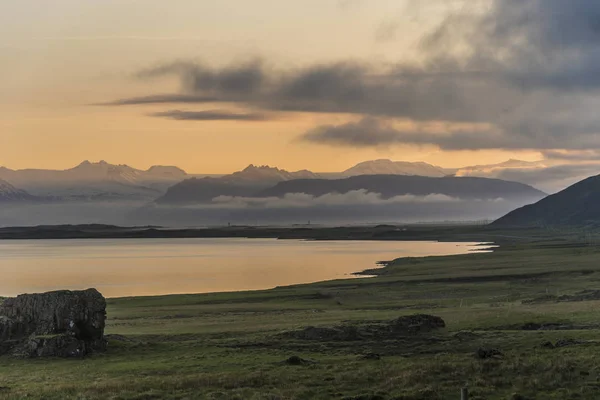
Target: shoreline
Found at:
x=401, y=232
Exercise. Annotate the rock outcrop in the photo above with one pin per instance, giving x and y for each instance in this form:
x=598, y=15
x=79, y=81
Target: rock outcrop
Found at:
x=405, y=326
x=61, y=323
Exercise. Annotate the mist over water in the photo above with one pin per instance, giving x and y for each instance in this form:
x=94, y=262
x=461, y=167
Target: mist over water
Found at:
x=135, y=267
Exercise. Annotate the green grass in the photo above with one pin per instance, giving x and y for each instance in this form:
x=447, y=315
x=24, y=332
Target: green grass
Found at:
x=231, y=345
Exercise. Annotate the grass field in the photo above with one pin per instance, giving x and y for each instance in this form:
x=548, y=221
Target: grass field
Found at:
x=234, y=345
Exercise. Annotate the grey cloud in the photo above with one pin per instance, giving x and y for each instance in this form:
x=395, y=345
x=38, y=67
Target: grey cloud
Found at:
x=370, y=132
x=554, y=173
x=364, y=133
x=209, y=115
x=550, y=179
x=580, y=155
x=530, y=69
x=241, y=79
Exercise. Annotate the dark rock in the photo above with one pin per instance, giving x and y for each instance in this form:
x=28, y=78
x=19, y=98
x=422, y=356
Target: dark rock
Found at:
x=417, y=323
x=62, y=323
x=567, y=342
x=366, y=397
x=341, y=333
x=562, y=343
x=297, y=360
x=484, y=354
x=465, y=336
x=517, y=396
x=371, y=356
x=531, y=326
x=399, y=328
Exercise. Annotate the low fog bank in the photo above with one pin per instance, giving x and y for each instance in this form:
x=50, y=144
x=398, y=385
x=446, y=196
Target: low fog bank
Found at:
x=402, y=212
x=66, y=213
x=353, y=207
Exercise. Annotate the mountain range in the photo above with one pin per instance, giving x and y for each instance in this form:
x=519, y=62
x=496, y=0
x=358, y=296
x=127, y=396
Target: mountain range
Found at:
x=102, y=181
x=95, y=181
x=99, y=192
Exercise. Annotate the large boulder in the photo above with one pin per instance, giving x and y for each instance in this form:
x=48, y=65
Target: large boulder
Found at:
x=61, y=323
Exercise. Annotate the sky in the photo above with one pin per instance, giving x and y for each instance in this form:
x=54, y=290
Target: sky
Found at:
x=318, y=84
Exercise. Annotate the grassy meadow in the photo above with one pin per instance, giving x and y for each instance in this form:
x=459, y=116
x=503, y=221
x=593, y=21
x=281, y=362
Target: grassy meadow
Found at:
x=234, y=345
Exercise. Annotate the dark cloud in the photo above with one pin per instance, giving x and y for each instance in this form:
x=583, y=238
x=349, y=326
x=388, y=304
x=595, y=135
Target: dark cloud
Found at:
x=528, y=69
x=197, y=78
x=365, y=133
x=551, y=179
x=162, y=99
x=549, y=174
x=209, y=115
x=581, y=155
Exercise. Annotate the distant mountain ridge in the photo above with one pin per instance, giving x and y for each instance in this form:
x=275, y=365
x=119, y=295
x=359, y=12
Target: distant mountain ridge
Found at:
x=102, y=181
x=578, y=205
x=241, y=183
x=95, y=181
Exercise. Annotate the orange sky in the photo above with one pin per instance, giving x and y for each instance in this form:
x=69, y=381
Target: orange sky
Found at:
x=58, y=58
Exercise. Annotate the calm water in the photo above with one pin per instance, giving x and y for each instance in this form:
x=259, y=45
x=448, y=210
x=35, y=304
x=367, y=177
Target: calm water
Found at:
x=135, y=267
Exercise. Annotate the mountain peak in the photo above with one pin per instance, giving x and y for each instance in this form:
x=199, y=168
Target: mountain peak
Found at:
x=389, y=167
x=253, y=167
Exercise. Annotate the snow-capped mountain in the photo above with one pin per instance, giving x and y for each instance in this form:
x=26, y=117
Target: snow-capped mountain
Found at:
x=95, y=181
x=389, y=167
x=9, y=193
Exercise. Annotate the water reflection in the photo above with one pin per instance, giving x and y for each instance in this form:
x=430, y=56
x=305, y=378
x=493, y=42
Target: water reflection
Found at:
x=135, y=267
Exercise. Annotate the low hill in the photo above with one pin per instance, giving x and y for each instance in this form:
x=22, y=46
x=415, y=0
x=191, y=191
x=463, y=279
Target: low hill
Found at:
x=578, y=205
x=397, y=185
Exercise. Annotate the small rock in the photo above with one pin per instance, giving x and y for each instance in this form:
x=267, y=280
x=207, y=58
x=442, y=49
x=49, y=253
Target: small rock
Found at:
x=567, y=342
x=371, y=356
x=517, y=396
x=341, y=333
x=531, y=326
x=483, y=353
x=418, y=323
x=297, y=360
x=465, y=336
